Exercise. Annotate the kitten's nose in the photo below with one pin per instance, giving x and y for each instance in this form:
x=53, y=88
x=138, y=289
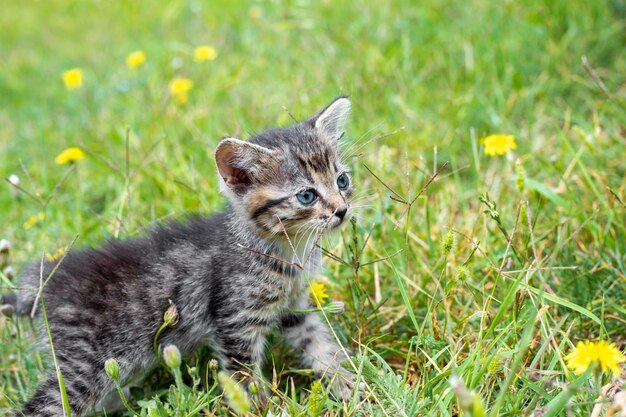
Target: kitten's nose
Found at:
x=341, y=212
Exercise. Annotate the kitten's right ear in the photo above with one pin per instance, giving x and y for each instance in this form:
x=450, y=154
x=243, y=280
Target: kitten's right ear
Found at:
x=240, y=163
x=331, y=121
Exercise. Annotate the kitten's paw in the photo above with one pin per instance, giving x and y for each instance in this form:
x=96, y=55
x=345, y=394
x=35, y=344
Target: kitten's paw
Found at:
x=343, y=384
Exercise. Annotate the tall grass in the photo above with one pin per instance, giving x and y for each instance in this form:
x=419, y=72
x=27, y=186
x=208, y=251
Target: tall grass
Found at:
x=536, y=264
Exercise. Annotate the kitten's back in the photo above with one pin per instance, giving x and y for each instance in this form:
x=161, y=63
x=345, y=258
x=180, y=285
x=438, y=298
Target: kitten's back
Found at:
x=96, y=276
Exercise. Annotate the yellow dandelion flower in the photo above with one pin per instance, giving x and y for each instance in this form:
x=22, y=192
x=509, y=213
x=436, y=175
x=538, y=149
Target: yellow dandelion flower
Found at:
x=179, y=88
x=73, y=78
x=204, y=53
x=30, y=222
x=70, y=155
x=498, y=144
x=135, y=59
x=180, y=85
x=56, y=255
x=587, y=352
x=318, y=291
x=33, y=220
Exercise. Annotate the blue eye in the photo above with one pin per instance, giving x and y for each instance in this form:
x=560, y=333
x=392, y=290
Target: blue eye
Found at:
x=306, y=197
x=343, y=181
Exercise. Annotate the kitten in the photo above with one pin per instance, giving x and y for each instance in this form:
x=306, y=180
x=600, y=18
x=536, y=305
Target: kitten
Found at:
x=225, y=273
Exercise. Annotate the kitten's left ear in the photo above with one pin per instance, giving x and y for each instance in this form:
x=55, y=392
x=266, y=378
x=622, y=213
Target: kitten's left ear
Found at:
x=331, y=121
x=243, y=164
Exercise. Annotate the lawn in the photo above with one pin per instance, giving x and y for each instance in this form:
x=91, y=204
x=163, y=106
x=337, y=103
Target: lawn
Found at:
x=467, y=278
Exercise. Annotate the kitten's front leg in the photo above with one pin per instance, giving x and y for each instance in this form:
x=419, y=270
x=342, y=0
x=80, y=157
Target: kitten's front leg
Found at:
x=308, y=333
x=241, y=349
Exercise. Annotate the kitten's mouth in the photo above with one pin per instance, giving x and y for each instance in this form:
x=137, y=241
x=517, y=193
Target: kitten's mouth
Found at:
x=336, y=223
x=332, y=224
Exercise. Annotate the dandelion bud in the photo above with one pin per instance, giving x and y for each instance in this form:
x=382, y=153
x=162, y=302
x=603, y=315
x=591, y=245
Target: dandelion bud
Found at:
x=213, y=364
x=6, y=310
x=253, y=388
x=447, y=243
x=170, y=318
x=468, y=401
x=236, y=395
x=5, y=247
x=9, y=272
x=112, y=368
x=336, y=308
x=171, y=355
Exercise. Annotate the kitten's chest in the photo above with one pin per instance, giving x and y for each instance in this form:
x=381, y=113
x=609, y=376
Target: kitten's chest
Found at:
x=297, y=285
x=275, y=294
x=274, y=286
x=283, y=291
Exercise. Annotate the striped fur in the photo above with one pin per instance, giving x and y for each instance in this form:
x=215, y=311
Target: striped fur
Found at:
x=224, y=272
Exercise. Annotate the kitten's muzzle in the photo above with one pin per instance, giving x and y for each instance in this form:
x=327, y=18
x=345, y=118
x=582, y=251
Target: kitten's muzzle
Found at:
x=341, y=213
x=339, y=217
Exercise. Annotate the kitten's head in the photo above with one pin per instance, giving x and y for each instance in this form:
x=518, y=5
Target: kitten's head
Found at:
x=290, y=179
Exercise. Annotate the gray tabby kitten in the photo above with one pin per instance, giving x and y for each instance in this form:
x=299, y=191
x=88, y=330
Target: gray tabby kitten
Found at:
x=224, y=273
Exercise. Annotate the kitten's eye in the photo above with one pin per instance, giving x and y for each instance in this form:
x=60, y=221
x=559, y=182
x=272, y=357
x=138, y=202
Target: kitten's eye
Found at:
x=343, y=181
x=306, y=197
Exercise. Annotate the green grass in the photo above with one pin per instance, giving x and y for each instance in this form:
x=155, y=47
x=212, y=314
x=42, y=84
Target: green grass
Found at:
x=447, y=73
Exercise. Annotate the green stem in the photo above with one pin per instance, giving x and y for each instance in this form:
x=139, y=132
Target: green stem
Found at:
x=123, y=397
x=156, y=338
x=324, y=309
x=306, y=310
x=65, y=400
x=179, y=385
x=507, y=237
x=559, y=403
